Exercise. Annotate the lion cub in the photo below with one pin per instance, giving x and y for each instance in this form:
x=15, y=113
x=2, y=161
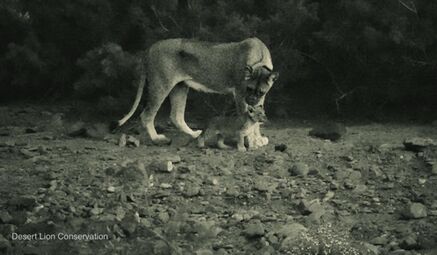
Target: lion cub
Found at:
x=233, y=127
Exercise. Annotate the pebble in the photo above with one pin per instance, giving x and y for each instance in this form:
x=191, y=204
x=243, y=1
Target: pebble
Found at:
x=111, y=189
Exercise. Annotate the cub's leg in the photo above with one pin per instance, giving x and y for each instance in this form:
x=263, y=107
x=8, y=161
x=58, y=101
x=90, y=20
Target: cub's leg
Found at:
x=178, y=100
x=240, y=144
x=221, y=142
x=158, y=90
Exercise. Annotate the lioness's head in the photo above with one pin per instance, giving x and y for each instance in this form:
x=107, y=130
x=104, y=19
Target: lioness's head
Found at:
x=258, y=82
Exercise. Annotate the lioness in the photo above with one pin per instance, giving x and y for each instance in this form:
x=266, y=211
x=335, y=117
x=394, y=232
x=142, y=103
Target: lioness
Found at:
x=243, y=69
x=233, y=127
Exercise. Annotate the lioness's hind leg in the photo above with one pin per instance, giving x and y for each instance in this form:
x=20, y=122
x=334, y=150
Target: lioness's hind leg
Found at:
x=157, y=93
x=178, y=100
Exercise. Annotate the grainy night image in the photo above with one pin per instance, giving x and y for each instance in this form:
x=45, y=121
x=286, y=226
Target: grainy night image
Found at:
x=218, y=127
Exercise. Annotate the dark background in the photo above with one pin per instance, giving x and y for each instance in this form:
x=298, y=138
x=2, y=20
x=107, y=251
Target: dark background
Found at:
x=339, y=58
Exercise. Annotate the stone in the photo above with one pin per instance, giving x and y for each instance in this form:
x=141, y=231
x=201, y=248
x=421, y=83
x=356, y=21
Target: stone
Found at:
x=4, y=244
x=409, y=242
x=204, y=252
x=191, y=190
x=331, y=131
x=281, y=147
x=25, y=202
x=292, y=230
x=418, y=144
x=254, y=229
x=77, y=129
x=307, y=207
x=434, y=169
x=5, y=217
x=165, y=166
x=299, y=169
x=415, y=211
x=129, y=224
x=122, y=140
x=132, y=141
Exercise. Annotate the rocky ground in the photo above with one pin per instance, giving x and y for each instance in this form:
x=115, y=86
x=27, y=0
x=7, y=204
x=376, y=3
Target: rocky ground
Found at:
x=372, y=191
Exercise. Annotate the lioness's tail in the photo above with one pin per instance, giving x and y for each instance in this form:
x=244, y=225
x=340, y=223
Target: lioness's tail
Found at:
x=142, y=81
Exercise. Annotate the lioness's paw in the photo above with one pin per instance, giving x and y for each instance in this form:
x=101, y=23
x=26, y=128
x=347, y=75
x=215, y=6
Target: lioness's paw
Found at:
x=196, y=133
x=161, y=140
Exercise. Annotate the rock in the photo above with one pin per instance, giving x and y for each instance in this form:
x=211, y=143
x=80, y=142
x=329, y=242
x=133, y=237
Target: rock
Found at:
x=132, y=171
x=23, y=202
x=204, y=252
x=328, y=196
x=418, y=144
x=166, y=186
x=165, y=166
x=132, y=141
x=111, y=189
x=4, y=244
x=191, y=190
x=264, y=185
x=98, y=130
x=254, y=229
x=331, y=131
x=292, y=230
x=77, y=129
x=30, y=130
x=164, y=217
x=122, y=140
x=415, y=211
x=409, y=242
x=280, y=147
x=307, y=207
x=161, y=248
x=371, y=249
x=96, y=211
x=380, y=240
x=173, y=158
x=434, y=169
x=129, y=224
x=299, y=169
x=5, y=217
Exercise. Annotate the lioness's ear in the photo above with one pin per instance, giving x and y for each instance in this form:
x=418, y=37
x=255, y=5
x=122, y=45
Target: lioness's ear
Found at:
x=273, y=76
x=248, y=72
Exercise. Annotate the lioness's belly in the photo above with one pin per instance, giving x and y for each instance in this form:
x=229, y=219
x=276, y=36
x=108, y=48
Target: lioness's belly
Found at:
x=201, y=87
